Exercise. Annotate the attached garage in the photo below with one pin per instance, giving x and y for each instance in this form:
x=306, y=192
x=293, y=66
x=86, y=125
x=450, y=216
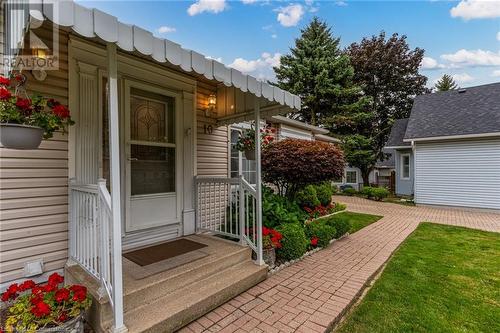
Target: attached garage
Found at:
x=458, y=173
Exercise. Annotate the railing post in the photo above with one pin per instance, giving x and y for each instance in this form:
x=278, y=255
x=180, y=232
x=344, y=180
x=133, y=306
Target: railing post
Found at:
x=114, y=148
x=72, y=220
x=103, y=241
x=258, y=187
x=241, y=210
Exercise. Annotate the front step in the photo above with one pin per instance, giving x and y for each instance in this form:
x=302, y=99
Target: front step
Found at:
x=179, y=308
x=164, y=289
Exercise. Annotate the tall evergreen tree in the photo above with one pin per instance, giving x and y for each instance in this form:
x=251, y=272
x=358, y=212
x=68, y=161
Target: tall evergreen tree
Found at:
x=387, y=70
x=319, y=72
x=446, y=83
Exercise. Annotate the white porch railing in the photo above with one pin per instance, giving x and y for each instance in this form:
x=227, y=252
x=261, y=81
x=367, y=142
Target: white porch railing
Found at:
x=91, y=232
x=228, y=207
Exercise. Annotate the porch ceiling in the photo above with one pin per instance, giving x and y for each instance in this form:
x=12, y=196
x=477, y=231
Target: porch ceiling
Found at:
x=237, y=92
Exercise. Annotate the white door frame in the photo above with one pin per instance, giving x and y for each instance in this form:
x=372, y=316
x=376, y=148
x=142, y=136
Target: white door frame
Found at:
x=128, y=85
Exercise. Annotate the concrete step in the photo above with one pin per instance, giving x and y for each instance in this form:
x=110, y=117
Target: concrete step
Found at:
x=180, y=307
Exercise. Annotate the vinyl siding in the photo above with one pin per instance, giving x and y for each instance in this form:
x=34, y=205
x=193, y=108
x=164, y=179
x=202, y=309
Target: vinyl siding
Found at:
x=458, y=173
x=212, y=151
x=33, y=190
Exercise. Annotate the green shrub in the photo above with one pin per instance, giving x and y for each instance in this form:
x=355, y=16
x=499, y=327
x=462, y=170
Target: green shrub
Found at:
x=307, y=197
x=349, y=191
x=277, y=210
x=339, y=207
x=379, y=193
x=320, y=230
x=294, y=242
x=341, y=224
x=376, y=193
x=324, y=193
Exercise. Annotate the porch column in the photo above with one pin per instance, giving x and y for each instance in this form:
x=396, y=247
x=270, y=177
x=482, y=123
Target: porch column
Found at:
x=114, y=152
x=258, y=188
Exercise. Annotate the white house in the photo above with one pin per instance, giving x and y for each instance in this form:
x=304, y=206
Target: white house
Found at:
x=448, y=150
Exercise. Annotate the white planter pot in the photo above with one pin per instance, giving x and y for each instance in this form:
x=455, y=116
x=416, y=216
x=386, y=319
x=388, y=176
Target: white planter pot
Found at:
x=16, y=136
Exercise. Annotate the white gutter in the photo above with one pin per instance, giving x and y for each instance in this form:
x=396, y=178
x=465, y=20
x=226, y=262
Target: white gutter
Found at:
x=451, y=137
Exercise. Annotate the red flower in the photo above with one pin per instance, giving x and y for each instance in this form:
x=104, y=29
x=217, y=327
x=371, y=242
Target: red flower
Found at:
x=55, y=279
x=28, y=284
x=23, y=103
x=36, y=299
x=11, y=292
x=62, y=295
x=79, y=293
x=61, y=111
x=62, y=317
x=41, y=309
x=49, y=287
x=4, y=81
x=4, y=94
x=36, y=290
x=314, y=241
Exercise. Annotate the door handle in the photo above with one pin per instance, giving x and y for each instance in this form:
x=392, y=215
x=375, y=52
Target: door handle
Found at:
x=133, y=159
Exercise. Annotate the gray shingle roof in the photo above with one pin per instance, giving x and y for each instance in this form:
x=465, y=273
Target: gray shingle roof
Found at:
x=476, y=110
x=389, y=162
x=397, y=134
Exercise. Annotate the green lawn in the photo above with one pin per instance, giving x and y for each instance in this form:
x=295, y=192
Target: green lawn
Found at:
x=442, y=279
x=358, y=220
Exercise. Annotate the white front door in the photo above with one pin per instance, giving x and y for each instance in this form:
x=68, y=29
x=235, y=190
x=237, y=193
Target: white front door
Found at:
x=153, y=157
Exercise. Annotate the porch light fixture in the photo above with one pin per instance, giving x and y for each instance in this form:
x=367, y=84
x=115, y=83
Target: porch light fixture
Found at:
x=212, y=103
x=39, y=53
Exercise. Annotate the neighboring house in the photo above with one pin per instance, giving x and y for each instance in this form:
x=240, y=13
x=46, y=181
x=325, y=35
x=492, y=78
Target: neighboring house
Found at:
x=146, y=162
x=448, y=151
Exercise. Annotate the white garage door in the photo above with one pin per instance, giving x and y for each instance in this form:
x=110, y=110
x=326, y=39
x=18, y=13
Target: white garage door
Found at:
x=465, y=173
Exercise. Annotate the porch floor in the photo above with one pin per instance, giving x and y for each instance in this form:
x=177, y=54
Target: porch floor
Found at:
x=170, y=299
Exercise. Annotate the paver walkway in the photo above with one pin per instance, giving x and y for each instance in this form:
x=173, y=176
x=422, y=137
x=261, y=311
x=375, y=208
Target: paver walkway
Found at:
x=309, y=295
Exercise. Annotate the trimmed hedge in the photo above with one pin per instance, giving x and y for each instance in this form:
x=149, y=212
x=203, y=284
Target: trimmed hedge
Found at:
x=320, y=230
x=349, y=191
x=294, y=242
x=340, y=223
x=324, y=193
x=307, y=197
x=376, y=193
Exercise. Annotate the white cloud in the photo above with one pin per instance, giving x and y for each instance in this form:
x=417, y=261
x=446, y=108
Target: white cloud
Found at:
x=274, y=36
x=498, y=36
x=430, y=63
x=219, y=59
x=341, y=3
x=262, y=68
x=476, y=9
x=248, y=2
x=165, y=29
x=479, y=57
x=290, y=15
x=462, y=78
x=210, y=6
x=496, y=73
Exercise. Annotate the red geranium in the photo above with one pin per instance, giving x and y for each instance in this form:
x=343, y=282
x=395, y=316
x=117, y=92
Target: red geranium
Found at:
x=23, y=103
x=314, y=241
x=61, y=111
x=4, y=81
x=4, y=94
x=55, y=279
x=28, y=284
x=79, y=293
x=11, y=292
x=41, y=309
x=62, y=317
x=62, y=295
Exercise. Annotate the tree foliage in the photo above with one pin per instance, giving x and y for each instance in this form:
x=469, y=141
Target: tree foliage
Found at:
x=387, y=70
x=446, y=83
x=319, y=72
x=291, y=164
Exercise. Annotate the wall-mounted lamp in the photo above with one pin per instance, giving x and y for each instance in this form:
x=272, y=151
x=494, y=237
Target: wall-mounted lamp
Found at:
x=39, y=53
x=212, y=103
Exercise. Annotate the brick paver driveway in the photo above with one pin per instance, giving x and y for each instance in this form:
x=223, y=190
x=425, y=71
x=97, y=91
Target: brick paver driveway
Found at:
x=313, y=293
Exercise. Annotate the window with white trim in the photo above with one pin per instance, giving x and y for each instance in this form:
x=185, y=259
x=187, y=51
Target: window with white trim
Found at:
x=405, y=166
x=239, y=164
x=351, y=177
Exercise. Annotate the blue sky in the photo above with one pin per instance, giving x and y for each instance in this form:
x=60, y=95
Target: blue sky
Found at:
x=461, y=38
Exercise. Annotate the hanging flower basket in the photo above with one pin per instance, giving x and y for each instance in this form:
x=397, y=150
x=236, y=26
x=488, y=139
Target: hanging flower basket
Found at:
x=246, y=141
x=24, y=119
x=16, y=136
x=250, y=154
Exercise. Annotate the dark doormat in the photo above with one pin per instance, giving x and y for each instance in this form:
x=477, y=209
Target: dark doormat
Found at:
x=152, y=254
